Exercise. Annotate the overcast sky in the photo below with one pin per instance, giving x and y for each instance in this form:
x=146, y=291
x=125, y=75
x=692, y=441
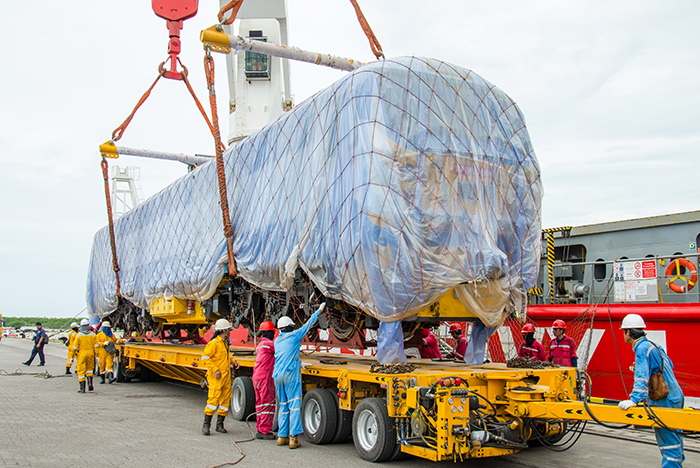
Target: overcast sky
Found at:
x=609, y=91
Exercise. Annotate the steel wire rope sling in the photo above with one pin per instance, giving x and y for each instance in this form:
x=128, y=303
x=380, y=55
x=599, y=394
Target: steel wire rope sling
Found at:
x=174, y=12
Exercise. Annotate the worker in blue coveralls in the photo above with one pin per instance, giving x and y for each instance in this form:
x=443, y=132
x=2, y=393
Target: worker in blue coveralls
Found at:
x=648, y=361
x=287, y=375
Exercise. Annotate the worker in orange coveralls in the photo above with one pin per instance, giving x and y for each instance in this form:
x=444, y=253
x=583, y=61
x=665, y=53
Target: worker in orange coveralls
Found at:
x=218, y=361
x=430, y=347
x=531, y=348
x=460, y=342
x=562, y=349
x=263, y=382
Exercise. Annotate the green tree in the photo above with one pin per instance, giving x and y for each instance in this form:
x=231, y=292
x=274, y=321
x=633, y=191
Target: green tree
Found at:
x=46, y=322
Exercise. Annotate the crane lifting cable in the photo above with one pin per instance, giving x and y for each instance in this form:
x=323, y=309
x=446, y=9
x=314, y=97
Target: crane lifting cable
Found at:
x=174, y=12
x=235, y=5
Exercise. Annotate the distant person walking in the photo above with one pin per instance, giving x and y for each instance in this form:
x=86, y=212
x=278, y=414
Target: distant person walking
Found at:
x=40, y=339
x=71, y=340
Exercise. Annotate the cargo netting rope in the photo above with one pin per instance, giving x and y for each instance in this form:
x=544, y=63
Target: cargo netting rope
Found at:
x=407, y=178
x=505, y=343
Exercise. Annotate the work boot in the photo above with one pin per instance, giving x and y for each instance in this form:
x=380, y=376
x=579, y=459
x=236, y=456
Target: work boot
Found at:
x=82, y=387
x=207, y=424
x=68, y=372
x=294, y=442
x=220, y=424
x=89, y=383
x=282, y=441
x=268, y=436
x=102, y=379
x=110, y=378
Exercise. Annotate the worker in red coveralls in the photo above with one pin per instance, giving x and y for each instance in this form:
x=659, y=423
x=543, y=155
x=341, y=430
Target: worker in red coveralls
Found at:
x=562, y=349
x=430, y=349
x=531, y=348
x=460, y=342
x=263, y=382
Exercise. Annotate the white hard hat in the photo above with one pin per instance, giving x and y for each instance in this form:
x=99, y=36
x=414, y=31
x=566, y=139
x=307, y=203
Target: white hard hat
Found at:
x=106, y=324
x=284, y=322
x=84, y=322
x=633, y=321
x=222, y=324
x=74, y=325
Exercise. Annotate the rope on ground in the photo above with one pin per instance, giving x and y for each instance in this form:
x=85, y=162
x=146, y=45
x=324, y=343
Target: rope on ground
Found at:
x=236, y=442
x=45, y=374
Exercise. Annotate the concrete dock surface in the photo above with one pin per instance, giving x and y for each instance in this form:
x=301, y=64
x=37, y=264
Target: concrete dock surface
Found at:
x=44, y=422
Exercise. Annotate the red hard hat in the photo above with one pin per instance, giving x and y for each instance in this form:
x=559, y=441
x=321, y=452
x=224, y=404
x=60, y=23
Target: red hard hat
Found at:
x=454, y=327
x=528, y=328
x=267, y=326
x=559, y=324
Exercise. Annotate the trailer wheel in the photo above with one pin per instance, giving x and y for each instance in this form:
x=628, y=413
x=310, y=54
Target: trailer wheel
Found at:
x=319, y=416
x=373, y=430
x=243, y=400
x=119, y=368
x=147, y=375
x=344, y=427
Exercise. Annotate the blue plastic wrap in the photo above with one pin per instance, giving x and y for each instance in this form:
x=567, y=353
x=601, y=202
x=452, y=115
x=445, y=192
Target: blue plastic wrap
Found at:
x=390, y=343
x=403, y=180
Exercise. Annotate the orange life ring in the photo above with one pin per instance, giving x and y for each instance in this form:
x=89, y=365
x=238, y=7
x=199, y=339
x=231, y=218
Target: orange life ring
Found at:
x=676, y=265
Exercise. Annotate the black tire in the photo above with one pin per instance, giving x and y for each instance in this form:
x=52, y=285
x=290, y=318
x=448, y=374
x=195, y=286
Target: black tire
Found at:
x=397, y=454
x=319, y=416
x=243, y=399
x=373, y=430
x=119, y=367
x=147, y=375
x=344, y=427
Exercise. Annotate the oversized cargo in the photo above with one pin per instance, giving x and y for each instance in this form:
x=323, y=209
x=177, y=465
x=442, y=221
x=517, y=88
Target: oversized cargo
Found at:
x=403, y=180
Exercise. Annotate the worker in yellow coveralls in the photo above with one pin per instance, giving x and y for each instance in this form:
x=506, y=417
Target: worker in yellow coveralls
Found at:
x=218, y=361
x=71, y=339
x=84, y=349
x=105, y=360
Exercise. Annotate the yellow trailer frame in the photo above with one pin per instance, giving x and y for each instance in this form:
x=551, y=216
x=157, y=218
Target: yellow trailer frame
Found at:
x=430, y=411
